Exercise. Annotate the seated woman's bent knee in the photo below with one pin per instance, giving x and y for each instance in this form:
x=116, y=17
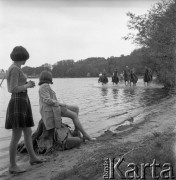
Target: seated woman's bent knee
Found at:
x=73, y=108
x=69, y=113
x=63, y=110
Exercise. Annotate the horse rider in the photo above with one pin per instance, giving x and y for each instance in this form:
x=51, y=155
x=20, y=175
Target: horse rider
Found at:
x=133, y=78
x=147, y=76
x=126, y=74
x=115, y=78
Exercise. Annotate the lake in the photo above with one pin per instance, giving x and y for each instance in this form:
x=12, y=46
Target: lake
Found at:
x=101, y=107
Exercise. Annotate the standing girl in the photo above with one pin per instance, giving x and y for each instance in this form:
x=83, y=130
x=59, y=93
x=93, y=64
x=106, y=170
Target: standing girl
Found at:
x=19, y=114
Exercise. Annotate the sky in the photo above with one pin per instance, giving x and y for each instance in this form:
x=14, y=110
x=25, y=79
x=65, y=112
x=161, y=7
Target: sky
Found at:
x=54, y=30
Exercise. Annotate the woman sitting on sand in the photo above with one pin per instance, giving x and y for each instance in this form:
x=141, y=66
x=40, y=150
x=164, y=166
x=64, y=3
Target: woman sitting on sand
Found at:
x=52, y=110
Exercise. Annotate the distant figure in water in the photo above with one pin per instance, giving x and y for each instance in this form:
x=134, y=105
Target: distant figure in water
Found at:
x=115, y=78
x=100, y=76
x=121, y=77
x=127, y=74
x=103, y=78
x=147, y=76
x=133, y=78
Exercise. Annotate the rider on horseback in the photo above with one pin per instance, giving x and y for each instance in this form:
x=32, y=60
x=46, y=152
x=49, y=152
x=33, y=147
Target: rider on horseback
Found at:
x=133, y=78
x=115, y=78
x=103, y=78
x=126, y=74
x=147, y=76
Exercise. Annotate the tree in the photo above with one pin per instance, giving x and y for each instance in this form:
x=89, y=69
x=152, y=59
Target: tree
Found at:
x=61, y=67
x=156, y=33
x=92, y=65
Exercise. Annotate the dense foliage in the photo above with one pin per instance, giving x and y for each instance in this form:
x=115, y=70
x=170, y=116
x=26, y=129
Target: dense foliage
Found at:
x=91, y=67
x=156, y=33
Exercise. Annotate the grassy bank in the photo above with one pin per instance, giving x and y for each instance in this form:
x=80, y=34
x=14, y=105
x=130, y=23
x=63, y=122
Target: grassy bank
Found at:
x=158, y=147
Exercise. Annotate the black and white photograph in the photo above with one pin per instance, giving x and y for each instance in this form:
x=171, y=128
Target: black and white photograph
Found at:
x=87, y=89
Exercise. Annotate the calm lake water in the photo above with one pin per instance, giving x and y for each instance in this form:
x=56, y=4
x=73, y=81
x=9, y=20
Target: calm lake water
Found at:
x=101, y=107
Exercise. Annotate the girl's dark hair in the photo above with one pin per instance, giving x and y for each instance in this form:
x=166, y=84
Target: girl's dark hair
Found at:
x=19, y=53
x=45, y=77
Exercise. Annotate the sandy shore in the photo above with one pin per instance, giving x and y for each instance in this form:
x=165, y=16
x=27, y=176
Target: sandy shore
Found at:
x=86, y=162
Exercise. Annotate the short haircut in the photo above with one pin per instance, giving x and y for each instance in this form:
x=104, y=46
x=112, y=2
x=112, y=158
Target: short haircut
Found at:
x=45, y=77
x=19, y=53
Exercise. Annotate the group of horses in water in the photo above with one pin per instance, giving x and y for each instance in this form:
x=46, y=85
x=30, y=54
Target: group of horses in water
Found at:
x=128, y=76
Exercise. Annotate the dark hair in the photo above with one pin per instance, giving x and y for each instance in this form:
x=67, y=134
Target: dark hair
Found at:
x=45, y=77
x=19, y=53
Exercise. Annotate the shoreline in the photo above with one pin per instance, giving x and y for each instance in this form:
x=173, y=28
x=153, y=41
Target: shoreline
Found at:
x=86, y=162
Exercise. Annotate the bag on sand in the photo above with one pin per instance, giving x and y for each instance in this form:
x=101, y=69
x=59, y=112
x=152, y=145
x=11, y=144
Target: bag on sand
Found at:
x=45, y=141
x=61, y=135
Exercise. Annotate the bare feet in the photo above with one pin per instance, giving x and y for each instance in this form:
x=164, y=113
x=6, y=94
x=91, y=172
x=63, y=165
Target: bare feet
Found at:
x=85, y=137
x=16, y=170
x=88, y=138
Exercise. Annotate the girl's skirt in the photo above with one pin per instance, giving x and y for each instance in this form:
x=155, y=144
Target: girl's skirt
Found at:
x=19, y=113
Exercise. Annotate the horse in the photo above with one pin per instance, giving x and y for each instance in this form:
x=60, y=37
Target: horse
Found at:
x=133, y=79
x=127, y=76
x=115, y=79
x=103, y=79
x=148, y=77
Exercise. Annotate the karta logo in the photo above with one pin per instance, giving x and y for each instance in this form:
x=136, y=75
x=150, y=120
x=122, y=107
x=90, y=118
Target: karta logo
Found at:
x=134, y=171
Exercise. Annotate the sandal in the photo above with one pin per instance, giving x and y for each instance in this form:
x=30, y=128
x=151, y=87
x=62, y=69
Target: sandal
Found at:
x=17, y=171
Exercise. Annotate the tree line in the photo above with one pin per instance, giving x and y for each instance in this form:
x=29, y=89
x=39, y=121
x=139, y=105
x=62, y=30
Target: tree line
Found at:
x=90, y=67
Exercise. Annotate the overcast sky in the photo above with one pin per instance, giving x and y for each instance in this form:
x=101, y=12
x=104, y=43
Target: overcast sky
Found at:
x=54, y=30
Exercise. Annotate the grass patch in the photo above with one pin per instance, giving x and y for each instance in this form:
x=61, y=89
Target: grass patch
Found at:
x=159, y=146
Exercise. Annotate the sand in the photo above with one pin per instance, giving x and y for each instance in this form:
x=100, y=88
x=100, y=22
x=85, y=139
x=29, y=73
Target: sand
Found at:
x=79, y=163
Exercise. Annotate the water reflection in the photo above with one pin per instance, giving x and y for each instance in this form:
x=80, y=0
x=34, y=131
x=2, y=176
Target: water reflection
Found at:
x=152, y=96
x=129, y=92
x=115, y=93
x=104, y=91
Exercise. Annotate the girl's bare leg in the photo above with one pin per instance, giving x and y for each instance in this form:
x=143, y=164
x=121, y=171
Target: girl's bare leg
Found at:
x=29, y=145
x=73, y=108
x=16, y=135
x=76, y=122
x=76, y=110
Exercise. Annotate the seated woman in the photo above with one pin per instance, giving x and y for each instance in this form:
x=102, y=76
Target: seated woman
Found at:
x=52, y=110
